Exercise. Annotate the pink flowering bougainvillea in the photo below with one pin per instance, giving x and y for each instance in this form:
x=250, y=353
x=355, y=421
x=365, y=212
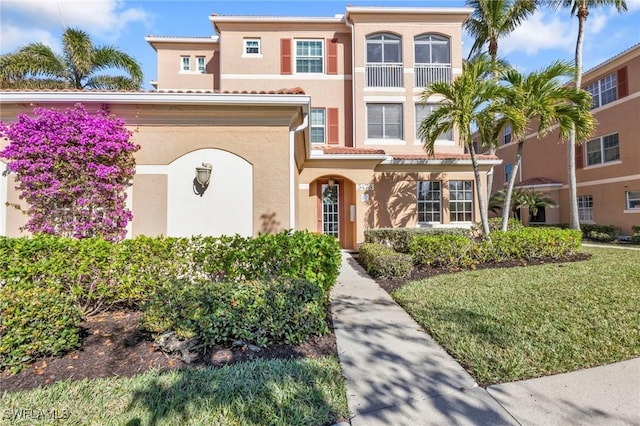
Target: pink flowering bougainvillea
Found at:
x=72, y=168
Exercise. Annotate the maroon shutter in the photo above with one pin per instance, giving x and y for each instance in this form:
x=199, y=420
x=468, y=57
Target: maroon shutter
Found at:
x=285, y=56
x=332, y=56
x=580, y=156
x=623, y=82
x=332, y=126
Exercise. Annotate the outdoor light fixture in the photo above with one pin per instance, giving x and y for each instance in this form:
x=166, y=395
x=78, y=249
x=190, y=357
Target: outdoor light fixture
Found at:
x=203, y=176
x=331, y=182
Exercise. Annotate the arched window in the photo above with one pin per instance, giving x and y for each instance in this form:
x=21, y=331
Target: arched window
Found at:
x=432, y=49
x=384, y=48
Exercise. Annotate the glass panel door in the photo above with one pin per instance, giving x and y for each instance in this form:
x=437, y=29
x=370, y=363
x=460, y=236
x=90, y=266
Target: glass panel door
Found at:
x=330, y=210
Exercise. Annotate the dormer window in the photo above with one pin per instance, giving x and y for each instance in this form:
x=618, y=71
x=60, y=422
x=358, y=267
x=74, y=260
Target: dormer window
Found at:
x=251, y=47
x=200, y=62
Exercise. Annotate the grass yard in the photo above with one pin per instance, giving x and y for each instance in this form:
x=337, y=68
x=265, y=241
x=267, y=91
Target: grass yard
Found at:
x=275, y=392
x=516, y=323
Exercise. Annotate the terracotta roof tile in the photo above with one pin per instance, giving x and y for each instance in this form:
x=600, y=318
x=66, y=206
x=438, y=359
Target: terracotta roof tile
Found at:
x=290, y=91
x=537, y=181
x=349, y=150
x=441, y=156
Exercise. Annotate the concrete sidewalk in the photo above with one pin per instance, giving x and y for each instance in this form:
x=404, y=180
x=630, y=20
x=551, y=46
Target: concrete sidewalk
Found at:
x=396, y=374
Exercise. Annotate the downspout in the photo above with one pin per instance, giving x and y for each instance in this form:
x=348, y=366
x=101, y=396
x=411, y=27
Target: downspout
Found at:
x=292, y=167
x=353, y=83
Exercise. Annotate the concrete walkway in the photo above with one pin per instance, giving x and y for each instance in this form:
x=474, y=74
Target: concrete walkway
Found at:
x=396, y=374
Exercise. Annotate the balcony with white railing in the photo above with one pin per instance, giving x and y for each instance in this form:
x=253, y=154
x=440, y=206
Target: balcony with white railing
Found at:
x=384, y=75
x=425, y=74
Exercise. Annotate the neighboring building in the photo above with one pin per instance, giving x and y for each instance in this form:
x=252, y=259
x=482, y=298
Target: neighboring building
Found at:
x=338, y=154
x=607, y=165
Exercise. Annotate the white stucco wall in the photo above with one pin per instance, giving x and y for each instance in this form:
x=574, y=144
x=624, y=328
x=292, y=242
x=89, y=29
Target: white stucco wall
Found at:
x=225, y=208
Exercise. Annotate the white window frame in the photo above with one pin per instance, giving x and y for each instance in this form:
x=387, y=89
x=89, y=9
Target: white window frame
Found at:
x=384, y=121
x=606, y=85
x=183, y=63
x=202, y=68
x=466, y=200
x=428, y=41
x=315, y=125
x=383, y=39
x=246, y=47
x=309, y=57
x=635, y=199
x=508, y=171
x=427, y=207
x=585, y=208
x=448, y=136
x=506, y=134
x=601, y=150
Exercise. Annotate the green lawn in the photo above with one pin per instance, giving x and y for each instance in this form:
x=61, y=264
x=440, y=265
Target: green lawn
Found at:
x=517, y=323
x=304, y=392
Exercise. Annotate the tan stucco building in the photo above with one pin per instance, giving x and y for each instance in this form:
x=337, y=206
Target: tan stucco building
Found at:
x=335, y=152
x=607, y=164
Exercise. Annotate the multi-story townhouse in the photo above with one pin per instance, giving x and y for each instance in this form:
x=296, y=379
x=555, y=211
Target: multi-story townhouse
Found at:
x=607, y=164
x=336, y=151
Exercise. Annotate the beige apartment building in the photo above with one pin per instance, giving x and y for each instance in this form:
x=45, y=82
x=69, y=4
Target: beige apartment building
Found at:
x=607, y=164
x=308, y=123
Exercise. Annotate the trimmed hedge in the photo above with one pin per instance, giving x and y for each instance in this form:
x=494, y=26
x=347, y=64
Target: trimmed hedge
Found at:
x=380, y=260
x=495, y=224
x=452, y=252
x=36, y=321
x=399, y=239
x=600, y=232
x=635, y=239
x=283, y=310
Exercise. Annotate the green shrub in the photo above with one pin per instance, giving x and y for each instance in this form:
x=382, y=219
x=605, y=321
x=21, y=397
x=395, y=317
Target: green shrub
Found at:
x=444, y=251
x=549, y=225
x=36, y=321
x=600, y=237
x=284, y=310
x=495, y=224
x=589, y=228
x=531, y=243
x=635, y=239
x=399, y=239
x=382, y=261
x=635, y=229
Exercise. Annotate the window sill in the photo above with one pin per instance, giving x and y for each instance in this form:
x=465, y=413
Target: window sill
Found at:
x=631, y=211
x=192, y=72
x=608, y=163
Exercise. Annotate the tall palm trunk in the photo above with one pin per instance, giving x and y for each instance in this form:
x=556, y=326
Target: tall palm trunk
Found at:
x=574, y=222
x=484, y=217
x=506, y=210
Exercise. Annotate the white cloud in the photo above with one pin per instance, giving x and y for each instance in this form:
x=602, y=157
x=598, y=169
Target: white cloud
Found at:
x=104, y=19
x=13, y=37
x=633, y=5
x=542, y=31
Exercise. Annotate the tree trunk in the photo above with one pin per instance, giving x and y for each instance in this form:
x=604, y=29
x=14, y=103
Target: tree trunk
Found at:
x=574, y=222
x=512, y=180
x=484, y=217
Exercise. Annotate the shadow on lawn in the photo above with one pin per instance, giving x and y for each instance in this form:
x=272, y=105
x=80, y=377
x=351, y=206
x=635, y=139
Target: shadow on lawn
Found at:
x=260, y=392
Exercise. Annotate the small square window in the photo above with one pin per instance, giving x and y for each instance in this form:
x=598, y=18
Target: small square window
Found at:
x=252, y=46
x=185, y=63
x=200, y=60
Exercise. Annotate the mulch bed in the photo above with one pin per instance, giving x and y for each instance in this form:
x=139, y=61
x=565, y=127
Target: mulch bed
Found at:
x=114, y=344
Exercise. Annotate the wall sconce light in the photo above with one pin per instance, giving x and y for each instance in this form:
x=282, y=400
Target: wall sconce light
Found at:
x=331, y=182
x=203, y=176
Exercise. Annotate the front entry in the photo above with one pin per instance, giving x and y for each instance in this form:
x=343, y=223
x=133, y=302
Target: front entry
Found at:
x=331, y=209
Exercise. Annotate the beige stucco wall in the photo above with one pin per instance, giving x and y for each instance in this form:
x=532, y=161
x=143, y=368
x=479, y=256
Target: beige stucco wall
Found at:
x=149, y=203
x=170, y=75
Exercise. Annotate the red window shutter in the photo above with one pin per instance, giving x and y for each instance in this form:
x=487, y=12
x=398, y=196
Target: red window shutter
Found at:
x=285, y=56
x=332, y=56
x=580, y=156
x=622, y=82
x=332, y=126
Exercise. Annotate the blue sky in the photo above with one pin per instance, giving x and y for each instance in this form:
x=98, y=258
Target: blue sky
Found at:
x=547, y=36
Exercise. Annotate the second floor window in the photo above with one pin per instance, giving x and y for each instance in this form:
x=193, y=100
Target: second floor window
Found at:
x=603, y=150
x=432, y=49
x=185, y=63
x=384, y=121
x=252, y=46
x=603, y=91
x=318, y=125
x=633, y=199
x=309, y=56
x=422, y=112
x=201, y=63
x=384, y=48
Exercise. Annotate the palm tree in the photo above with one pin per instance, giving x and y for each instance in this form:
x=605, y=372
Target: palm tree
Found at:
x=580, y=8
x=36, y=66
x=490, y=21
x=520, y=198
x=543, y=96
x=467, y=103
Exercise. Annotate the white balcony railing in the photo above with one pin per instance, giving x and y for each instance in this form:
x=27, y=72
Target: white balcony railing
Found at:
x=384, y=75
x=425, y=74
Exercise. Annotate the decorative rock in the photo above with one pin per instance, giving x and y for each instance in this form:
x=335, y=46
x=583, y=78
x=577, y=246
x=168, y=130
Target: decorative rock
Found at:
x=224, y=355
